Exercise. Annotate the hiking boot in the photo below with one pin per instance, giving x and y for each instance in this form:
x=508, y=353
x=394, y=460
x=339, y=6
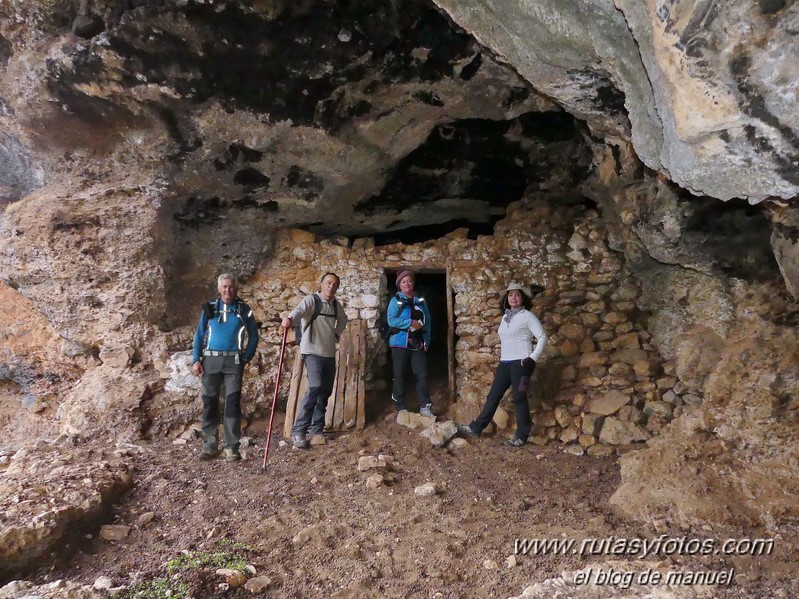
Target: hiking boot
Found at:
x=232, y=454
x=299, y=441
x=210, y=450
x=515, y=442
x=465, y=429
x=427, y=410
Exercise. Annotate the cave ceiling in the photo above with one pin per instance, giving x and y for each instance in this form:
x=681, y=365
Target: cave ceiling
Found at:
x=316, y=114
x=364, y=118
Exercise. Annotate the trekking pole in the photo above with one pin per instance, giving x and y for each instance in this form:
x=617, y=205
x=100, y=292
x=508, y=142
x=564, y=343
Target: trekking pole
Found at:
x=274, y=399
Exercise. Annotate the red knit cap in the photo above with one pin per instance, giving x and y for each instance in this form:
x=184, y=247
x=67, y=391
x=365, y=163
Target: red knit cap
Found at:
x=402, y=274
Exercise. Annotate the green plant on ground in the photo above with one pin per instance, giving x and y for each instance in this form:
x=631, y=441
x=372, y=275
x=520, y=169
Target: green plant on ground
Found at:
x=157, y=588
x=173, y=587
x=200, y=559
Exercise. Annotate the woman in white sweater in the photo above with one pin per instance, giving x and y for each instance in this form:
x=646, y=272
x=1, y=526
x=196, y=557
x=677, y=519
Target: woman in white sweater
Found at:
x=522, y=342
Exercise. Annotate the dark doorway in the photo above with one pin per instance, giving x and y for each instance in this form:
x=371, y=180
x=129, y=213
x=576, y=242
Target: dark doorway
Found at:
x=432, y=286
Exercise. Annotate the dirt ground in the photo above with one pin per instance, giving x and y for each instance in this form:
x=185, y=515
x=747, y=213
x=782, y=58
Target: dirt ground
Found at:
x=311, y=525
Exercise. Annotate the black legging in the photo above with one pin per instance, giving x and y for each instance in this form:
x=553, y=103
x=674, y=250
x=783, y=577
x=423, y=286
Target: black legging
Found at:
x=401, y=358
x=509, y=374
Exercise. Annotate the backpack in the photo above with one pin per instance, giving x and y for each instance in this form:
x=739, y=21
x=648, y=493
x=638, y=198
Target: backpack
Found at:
x=385, y=329
x=300, y=330
x=211, y=309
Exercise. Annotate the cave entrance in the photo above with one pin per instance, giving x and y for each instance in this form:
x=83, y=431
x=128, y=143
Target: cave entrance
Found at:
x=432, y=284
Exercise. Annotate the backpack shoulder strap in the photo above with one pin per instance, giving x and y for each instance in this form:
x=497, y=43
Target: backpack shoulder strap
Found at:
x=317, y=309
x=402, y=303
x=244, y=308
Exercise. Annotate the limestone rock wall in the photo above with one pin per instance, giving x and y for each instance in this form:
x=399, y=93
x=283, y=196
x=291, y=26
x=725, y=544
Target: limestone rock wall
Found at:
x=739, y=447
x=720, y=314
x=707, y=86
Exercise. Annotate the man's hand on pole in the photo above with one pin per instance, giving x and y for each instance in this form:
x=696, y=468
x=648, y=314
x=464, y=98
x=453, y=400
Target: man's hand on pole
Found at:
x=286, y=322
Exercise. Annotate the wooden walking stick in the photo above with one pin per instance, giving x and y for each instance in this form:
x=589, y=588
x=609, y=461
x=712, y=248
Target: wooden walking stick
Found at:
x=274, y=399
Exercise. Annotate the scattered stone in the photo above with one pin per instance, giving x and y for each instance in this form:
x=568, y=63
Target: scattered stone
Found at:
x=369, y=462
x=490, y=564
x=414, y=419
x=145, y=518
x=235, y=578
x=258, y=584
x=458, y=443
x=103, y=583
x=114, y=532
x=599, y=450
x=510, y=561
x=575, y=449
x=192, y=433
x=375, y=481
x=440, y=432
x=426, y=489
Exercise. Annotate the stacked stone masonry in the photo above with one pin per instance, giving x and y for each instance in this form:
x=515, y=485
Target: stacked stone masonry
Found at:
x=599, y=384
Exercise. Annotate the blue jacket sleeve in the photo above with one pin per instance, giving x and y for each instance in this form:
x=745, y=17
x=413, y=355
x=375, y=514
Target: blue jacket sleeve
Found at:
x=199, y=337
x=395, y=319
x=252, y=336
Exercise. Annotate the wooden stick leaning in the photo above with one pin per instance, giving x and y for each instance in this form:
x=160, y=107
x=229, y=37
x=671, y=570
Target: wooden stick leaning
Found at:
x=274, y=399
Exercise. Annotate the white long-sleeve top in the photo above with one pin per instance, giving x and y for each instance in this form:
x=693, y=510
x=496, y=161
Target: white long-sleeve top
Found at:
x=517, y=337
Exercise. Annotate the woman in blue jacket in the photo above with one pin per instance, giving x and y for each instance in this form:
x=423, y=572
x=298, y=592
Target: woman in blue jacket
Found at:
x=409, y=320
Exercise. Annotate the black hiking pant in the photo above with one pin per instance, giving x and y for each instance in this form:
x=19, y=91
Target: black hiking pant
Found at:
x=517, y=377
x=401, y=358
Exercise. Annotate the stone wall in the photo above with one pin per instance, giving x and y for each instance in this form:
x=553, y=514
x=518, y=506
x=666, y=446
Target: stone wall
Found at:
x=599, y=383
